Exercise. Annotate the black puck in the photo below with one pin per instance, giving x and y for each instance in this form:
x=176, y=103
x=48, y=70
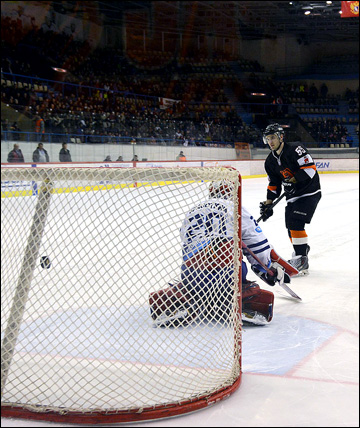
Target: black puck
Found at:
x=45, y=262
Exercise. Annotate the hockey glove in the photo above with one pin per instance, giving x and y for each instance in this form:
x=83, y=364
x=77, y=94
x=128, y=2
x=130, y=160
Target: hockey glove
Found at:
x=266, y=211
x=289, y=187
x=279, y=276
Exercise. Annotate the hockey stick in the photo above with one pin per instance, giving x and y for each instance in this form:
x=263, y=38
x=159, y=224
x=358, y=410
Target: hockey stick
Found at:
x=272, y=206
x=270, y=272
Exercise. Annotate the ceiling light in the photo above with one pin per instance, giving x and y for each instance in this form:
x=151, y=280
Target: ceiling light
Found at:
x=329, y=2
x=307, y=12
x=59, y=70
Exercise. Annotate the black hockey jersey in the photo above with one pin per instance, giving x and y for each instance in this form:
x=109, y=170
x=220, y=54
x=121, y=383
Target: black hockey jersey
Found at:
x=293, y=161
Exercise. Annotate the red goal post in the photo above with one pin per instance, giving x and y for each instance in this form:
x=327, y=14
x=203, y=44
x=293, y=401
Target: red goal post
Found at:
x=78, y=341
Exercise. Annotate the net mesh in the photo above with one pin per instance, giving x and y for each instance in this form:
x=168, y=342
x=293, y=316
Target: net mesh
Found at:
x=104, y=307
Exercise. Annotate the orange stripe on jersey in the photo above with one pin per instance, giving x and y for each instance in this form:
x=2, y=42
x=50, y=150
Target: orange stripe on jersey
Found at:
x=272, y=188
x=310, y=166
x=298, y=234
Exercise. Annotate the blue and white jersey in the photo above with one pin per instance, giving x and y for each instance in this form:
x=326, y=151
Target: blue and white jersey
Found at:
x=214, y=218
x=205, y=222
x=254, y=238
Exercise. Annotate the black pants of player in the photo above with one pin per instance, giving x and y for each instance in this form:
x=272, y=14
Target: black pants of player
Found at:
x=301, y=211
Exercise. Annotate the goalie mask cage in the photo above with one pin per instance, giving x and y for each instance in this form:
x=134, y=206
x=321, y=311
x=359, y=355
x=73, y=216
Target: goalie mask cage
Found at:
x=81, y=251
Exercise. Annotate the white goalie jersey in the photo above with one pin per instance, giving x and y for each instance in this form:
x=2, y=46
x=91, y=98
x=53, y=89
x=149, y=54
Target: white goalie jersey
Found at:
x=214, y=219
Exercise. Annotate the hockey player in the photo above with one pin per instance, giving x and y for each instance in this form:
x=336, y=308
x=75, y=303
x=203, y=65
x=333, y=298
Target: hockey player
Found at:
x=208, y=270
x=290, y=165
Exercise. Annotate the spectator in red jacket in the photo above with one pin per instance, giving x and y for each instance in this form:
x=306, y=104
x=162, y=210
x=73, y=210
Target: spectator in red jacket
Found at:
x=15, y=155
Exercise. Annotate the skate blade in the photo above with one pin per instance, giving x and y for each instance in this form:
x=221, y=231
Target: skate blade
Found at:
x=301, y=273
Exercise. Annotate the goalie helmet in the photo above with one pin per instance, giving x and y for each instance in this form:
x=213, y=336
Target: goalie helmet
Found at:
x=221, y=189
x=274, y=128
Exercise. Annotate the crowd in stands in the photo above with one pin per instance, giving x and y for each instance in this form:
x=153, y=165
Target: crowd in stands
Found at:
x=202, y=113
x=330, y=130
x=308, y=99
x=115, y=115
x=303, y=91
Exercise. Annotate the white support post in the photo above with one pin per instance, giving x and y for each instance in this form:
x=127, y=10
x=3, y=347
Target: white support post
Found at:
x=24, y=281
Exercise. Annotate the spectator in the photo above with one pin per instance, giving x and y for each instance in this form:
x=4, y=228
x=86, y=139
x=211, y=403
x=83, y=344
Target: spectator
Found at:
x=324, y=90
x=49, y=25
x=5, y=125
x=14, y=127
x=15, y=155
x=135, y=158
x=64, y=154
x=181, y=157
x=39, y=127
x=313, y=93
x=40, y=154
x=108, y=159
x=71, y=31
x=120, y=159
x=349, y=139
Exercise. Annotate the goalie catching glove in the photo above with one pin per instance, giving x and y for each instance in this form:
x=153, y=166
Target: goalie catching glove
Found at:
x=279, y=275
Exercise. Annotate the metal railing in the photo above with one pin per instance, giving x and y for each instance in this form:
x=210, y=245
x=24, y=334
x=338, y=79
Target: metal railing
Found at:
x=104, y=139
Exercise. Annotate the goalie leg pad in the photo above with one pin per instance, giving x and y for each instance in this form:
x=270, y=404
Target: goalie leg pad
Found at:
x=172, y=306
x=262, y=303
x=249, y=290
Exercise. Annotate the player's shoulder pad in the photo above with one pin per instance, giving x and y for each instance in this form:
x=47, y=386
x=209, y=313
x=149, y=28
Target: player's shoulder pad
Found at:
x=293, y=145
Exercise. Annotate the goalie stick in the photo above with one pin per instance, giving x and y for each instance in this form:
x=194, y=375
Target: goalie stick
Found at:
x=272, y=206
x=284, y=286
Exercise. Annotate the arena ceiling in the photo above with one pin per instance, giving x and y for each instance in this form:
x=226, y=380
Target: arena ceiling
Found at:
x=252, y=19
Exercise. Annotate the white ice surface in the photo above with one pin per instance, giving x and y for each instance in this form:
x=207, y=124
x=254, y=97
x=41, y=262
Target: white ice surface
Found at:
x=302, y=370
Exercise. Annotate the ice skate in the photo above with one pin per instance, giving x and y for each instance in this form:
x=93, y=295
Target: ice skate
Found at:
x=301, y=263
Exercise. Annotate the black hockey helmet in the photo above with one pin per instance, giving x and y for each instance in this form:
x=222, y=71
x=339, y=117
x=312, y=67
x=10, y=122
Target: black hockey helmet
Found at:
x=273, y=128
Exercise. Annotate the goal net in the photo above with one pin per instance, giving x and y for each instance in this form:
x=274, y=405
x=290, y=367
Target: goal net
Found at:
x=105, y=315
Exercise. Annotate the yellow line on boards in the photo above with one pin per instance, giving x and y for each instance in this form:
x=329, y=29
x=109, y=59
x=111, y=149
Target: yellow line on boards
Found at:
x=339, y=172
x=320, y=172
x=60, y=190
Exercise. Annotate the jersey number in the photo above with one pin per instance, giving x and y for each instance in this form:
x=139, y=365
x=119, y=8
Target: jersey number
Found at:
x=299, y=150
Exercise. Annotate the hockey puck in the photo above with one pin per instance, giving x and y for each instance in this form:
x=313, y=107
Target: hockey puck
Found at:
x=45, y=262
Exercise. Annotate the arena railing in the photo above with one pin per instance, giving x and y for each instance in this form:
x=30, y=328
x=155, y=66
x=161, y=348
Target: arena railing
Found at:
x=106, y=139
x=103, y=139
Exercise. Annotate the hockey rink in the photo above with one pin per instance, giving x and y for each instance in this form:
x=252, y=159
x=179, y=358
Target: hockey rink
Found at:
x=303, y=368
